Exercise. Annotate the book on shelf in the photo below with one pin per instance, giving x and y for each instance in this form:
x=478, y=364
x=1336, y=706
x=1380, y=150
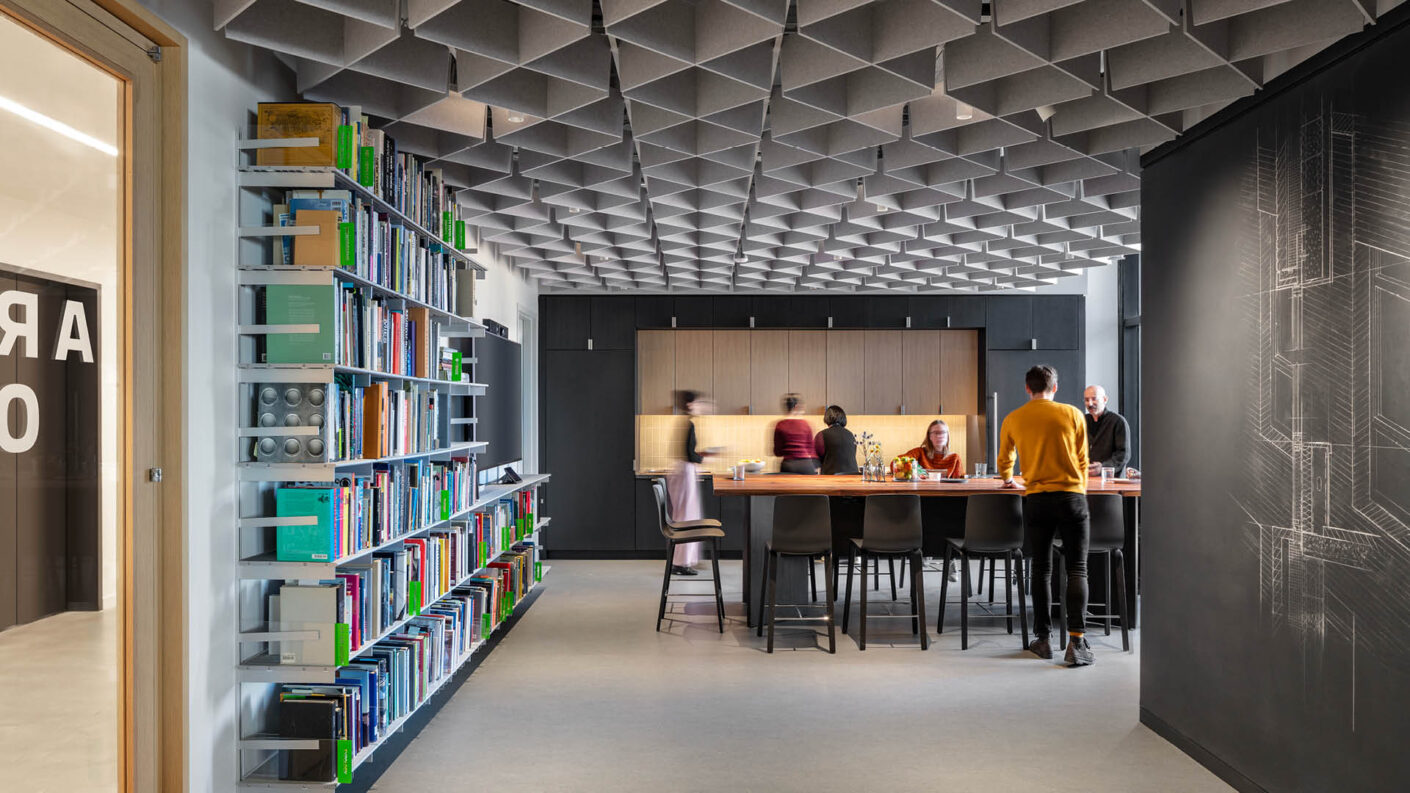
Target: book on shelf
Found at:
x=297, y=304
x=369, y=510
x=298, y=120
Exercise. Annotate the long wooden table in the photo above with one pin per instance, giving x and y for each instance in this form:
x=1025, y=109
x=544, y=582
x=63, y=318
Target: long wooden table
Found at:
x=792, y=585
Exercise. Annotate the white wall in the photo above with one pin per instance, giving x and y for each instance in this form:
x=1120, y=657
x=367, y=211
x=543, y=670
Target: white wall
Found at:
x=226, y=80
x=1103, y=331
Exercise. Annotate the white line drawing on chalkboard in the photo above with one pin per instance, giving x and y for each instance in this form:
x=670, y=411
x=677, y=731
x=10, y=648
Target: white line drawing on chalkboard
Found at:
x=1326, y=277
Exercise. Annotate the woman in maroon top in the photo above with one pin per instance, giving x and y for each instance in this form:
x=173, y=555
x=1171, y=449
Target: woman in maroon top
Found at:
x=793, y=439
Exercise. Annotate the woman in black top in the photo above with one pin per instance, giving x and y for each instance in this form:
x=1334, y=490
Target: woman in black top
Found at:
x=835, y=445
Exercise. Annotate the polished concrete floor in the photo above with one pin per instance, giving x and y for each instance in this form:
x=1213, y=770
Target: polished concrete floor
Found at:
x=58, y=703
x=583, y=695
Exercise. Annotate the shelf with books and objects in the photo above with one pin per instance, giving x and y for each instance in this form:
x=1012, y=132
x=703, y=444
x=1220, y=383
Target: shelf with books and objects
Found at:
x=374, y=559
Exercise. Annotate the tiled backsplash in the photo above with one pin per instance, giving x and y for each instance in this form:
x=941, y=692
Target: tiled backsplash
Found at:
x=661, y=438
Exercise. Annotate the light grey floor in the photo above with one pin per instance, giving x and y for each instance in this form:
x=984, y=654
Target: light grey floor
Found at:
x=58, y=703
x=583, y=695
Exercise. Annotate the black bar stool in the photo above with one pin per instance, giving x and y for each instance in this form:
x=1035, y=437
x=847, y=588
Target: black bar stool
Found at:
x=802, y=527
x=683, y=533
x=1108, y=538
x=993, y=529
x=891, y=529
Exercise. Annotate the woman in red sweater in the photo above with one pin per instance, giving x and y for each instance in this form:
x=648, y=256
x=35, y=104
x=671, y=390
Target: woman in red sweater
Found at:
x=934, y=454
x=793, y=439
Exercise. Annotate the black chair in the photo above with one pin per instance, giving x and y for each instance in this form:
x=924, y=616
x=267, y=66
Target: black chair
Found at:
x=993, y=529
x=683, y=533
x=891, y=529
x=847, y=514
x=802, y=528
x=1107, y=539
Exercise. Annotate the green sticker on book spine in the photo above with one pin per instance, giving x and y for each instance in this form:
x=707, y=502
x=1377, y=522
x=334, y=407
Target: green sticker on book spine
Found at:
x=460, y=235
x=447, y=226
x=342, y=643
x=455, y=360
x=445, y=505
x=344, y=153
x=414, y=599
x=347, y=246
x=485, y=626
x=484, y=554
x=345, y=760
x=366, y=160
x=538, y=571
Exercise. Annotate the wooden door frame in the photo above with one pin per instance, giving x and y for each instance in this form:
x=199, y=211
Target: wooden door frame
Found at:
x=152, y=652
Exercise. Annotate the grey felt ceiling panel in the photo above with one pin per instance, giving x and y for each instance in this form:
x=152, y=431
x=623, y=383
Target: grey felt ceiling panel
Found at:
x=793, y=145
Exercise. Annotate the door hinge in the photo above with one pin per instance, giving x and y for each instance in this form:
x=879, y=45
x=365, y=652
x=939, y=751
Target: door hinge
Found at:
x=155, y=53
x=154, y=474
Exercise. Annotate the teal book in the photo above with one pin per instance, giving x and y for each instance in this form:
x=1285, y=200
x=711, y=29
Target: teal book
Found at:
x=299, y=305
x=314, y=543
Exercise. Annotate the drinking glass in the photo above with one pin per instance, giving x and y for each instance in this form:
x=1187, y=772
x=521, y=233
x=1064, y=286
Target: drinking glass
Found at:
x=981, y=470
x=1107, y=474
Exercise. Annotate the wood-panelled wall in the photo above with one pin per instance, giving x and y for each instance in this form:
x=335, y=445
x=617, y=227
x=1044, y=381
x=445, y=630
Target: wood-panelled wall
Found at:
x=877, y=372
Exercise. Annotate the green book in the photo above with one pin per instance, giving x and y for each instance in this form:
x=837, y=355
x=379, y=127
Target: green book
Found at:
x=299, y=305
x=305, y=543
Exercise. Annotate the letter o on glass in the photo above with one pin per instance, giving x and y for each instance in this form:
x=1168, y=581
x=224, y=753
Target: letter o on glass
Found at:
x=26, y=397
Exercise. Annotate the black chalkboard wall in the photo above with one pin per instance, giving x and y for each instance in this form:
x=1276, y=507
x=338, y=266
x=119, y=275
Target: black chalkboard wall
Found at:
x=1276, y=564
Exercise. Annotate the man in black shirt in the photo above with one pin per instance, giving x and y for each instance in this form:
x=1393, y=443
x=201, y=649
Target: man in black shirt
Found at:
x=1106, y=434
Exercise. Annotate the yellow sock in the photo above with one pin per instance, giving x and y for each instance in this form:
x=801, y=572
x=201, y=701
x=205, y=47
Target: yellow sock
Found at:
x=1076, y=634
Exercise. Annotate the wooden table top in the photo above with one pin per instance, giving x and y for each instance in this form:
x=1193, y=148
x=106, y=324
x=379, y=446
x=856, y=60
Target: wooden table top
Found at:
x=802, y=484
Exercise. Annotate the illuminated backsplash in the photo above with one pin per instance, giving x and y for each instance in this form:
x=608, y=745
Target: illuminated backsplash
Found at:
x=661, y=438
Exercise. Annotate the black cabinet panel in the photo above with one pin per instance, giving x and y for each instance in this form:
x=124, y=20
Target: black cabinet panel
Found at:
x=695, y=312
x=591, y=499
x=886, y=312
x=1058, y=321
x=613, y=323
x=928, y=311
x=1009, y=322
x=808, y=311
x=1006, y=369
x=731, y=312
x=567, y=322
x=771, y=311
x=850, y=311
x=967, y=312
x=653, y=311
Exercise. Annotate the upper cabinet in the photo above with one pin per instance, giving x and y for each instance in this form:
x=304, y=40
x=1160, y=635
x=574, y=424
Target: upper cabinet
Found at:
x=730, y=363
x=768, y=370
x=807, y=367
x=655, y=371
x=921, y=369
x=695, y=361
x=1059, y=321
x=959, y=372
x=653, y=311
x=613, y=326
x=695, y=312
x=883, y=368
x=846, y=369
x=567, y=322
x=1009, y=322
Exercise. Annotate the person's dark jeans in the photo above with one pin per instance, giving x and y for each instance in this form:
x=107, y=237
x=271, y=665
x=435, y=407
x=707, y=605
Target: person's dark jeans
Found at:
x=1048, y=515
x=799, y=465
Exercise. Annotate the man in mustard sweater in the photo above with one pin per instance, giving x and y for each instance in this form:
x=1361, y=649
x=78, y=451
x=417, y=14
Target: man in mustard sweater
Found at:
x=1050, y=439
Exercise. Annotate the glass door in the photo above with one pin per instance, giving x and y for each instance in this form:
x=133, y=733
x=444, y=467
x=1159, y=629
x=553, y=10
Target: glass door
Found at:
x=76, y=212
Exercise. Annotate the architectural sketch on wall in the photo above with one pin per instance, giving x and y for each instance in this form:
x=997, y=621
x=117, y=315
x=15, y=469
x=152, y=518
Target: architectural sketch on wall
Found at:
x=1325, y=459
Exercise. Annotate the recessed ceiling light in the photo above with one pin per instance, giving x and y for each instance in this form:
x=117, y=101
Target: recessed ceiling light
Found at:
x=740, y=258
x=515, y=118
x=881, y=208
x=573, y=210
x=963, y=112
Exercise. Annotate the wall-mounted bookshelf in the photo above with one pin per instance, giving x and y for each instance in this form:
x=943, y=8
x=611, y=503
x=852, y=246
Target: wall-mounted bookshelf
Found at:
x=374, y=561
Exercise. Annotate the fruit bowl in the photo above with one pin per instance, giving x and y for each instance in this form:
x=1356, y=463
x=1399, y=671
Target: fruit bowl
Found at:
x=752, y=466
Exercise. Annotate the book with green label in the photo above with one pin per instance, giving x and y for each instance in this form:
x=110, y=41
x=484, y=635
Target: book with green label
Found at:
x=287, y=304
x=316, y=543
